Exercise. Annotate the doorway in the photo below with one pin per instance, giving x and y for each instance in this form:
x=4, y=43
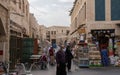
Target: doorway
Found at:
x=104, y=40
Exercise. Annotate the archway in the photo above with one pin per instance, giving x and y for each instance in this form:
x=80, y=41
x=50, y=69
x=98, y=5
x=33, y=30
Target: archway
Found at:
x=104, y=40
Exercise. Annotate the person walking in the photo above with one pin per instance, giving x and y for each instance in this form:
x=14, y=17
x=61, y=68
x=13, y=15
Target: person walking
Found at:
x=51, y=54
x=61, y=62
x=69, y=57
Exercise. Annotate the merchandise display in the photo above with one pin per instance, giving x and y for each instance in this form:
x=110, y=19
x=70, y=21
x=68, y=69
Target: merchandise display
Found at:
x=94, y=56
x=83, y=55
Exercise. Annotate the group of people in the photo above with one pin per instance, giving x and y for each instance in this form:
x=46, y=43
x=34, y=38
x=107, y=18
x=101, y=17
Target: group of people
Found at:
x=62, y=58
x=47, y=56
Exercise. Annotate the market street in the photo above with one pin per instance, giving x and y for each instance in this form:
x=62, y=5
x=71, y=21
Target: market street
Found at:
x=82, y=71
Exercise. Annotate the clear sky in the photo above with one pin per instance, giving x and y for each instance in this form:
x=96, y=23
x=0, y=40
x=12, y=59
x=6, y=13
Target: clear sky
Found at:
x=51, y=12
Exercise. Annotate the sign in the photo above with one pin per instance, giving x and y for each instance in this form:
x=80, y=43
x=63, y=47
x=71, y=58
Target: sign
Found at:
x=81, y=30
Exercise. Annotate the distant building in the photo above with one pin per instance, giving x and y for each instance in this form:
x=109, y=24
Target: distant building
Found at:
x=57, y=34
x=42, y=32
x=53, y=35
x=34, y=26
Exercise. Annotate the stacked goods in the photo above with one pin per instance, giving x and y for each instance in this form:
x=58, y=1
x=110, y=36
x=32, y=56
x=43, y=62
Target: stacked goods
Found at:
x=83, y=56
x=118, y=49
x=94, y=57
x=111, y=54
x=117, y=64
x=117, y=57
x=83, y=53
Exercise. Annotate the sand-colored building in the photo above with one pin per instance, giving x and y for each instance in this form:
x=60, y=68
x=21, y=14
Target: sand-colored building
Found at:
x=19, y=18
x=19, y=28
x=57, y=34
x=42, y=32
x=54, y=34
x=4, y=30
x=34, y=27
x=99, y=18
x=95, y=15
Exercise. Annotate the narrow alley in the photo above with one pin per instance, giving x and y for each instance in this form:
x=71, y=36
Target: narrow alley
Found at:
x=36, y=33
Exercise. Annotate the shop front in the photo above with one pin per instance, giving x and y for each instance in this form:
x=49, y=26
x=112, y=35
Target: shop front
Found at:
x=15, y=48
x=105, y=42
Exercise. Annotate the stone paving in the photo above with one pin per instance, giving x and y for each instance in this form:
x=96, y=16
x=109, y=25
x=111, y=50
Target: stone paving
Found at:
x=81, y=71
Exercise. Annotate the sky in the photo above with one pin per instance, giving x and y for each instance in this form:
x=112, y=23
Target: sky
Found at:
x=51, y=12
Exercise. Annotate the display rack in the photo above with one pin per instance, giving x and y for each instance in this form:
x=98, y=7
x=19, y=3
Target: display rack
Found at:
x=94, y=56
x=83, y=57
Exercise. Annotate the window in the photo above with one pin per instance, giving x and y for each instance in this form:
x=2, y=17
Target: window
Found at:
x=67, y=32
x=62, y=31
x=115, y=9
x=26, y=10
x=23, y=6
x=75, y=22
x=100, y=10
x=48, y=32
x=14, y=1
x=55, y=32
x=52, y=32
x=20, y=4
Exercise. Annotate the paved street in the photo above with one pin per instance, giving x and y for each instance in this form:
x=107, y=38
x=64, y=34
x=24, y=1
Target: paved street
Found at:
x=81, y=71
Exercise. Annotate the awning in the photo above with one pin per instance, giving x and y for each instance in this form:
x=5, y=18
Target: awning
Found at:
x=80, y=26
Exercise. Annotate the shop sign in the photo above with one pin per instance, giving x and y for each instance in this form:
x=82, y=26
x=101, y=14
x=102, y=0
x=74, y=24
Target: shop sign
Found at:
x=81, y=30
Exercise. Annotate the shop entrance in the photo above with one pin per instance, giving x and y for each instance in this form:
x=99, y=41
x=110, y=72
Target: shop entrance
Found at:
x=104, y=39
x=15, y=48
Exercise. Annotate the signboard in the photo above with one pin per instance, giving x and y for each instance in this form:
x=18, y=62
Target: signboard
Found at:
x=81, y=30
